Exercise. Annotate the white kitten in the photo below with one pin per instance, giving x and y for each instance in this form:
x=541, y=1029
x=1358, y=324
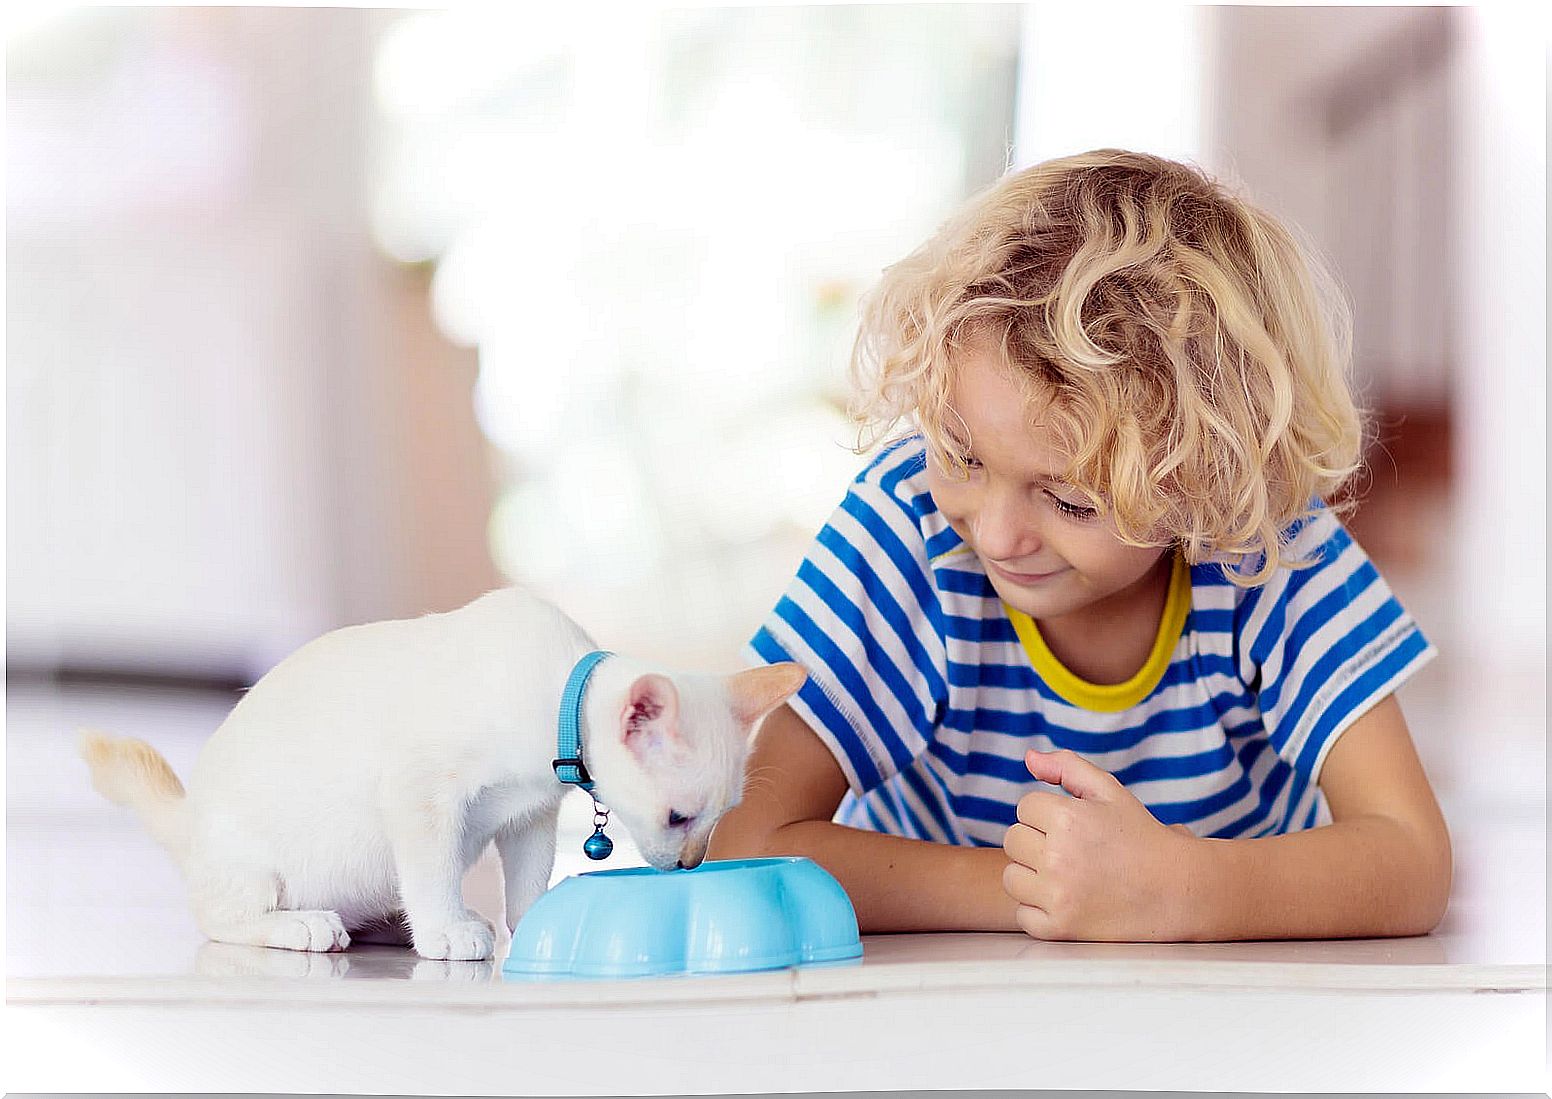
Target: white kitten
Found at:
x=352, y=787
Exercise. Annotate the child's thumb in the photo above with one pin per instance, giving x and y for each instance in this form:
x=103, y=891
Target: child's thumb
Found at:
x=1071, y=772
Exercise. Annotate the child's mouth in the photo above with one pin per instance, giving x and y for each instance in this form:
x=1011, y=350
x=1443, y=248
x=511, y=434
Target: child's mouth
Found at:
x=1024, y=578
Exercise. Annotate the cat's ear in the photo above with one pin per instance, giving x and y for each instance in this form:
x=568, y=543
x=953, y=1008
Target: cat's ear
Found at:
x=758, y=691
x=650, y=720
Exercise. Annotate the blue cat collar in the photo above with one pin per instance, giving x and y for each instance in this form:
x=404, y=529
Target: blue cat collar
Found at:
x=568, y=766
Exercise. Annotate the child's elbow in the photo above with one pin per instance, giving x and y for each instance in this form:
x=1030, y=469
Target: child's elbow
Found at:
x=739, y=835
x=1431, y=882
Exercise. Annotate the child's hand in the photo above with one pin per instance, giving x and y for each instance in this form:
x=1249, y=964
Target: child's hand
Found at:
x=1097, y=865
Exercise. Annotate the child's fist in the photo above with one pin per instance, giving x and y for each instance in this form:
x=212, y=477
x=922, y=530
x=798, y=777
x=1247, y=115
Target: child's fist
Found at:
x=1096, y=865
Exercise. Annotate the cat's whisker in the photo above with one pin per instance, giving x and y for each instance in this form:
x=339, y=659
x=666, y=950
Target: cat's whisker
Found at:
x=760, y=780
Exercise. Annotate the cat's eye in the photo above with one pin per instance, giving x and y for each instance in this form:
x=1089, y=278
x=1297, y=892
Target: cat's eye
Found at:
x=676, y=818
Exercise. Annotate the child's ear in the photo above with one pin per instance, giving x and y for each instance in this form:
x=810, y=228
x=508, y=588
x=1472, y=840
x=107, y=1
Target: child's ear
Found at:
x=758, y=691
x=649, y=721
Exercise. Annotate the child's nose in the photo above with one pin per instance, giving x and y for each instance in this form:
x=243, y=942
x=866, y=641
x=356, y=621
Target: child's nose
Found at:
x=1005, y=532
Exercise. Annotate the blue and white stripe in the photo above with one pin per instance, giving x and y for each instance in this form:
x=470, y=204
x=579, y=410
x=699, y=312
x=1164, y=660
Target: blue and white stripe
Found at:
x=924, y=693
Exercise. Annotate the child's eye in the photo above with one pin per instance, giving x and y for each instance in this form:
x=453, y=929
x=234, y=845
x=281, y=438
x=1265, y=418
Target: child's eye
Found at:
x=962, y=452
x=676, y=818
x=959, y=451
x=1075, y=511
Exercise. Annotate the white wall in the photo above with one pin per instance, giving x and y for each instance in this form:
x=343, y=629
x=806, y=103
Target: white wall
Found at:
x=190, y=441
x=1499, y=190
x=1146, y=93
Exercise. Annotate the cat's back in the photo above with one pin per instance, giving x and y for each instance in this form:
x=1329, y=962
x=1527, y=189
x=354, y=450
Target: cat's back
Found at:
x=524, y=622
x=365, y=681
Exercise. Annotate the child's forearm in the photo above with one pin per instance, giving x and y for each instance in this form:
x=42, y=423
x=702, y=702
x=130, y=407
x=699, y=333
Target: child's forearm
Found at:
x=898, y=884
x=1365, y=876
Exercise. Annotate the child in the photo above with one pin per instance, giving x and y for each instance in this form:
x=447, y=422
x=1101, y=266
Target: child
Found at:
x=1088, y=656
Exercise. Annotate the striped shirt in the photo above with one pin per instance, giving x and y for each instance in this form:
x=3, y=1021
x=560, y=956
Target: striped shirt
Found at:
x=928, y=689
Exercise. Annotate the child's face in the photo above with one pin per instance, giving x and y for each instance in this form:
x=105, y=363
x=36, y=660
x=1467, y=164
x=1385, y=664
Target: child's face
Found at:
x=1045, y=550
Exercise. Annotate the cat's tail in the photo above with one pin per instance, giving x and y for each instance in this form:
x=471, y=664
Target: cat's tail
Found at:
x=132, y=773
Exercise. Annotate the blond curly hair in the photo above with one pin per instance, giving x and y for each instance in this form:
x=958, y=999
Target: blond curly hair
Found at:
x=1189, y=352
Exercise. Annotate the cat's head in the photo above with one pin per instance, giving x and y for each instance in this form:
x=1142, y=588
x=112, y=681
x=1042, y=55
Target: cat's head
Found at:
x=667, y=752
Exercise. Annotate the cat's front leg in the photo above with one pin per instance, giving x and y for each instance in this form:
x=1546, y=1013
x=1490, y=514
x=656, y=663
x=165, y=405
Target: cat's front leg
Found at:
x=426, y=828
x=527, y=850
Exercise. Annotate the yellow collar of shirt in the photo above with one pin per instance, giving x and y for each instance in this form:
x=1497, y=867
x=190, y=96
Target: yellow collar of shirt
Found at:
x=1111, y=697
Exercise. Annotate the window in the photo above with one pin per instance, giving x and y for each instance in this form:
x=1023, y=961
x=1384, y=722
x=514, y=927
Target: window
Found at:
x=655, y=229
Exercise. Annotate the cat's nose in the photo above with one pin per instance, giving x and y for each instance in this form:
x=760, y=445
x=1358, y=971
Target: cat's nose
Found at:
x=692, y=854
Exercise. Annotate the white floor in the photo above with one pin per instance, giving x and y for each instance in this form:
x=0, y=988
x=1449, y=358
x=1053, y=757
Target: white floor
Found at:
x=104, y=962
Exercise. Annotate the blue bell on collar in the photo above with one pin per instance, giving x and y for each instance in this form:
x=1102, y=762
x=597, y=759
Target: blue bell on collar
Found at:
x=598, y=846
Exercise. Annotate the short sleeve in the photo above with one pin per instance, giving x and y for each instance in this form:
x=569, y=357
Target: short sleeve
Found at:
x=1321, y=645
x=863, y=617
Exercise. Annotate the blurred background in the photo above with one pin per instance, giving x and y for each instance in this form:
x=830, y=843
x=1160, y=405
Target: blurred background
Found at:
x=317, y=316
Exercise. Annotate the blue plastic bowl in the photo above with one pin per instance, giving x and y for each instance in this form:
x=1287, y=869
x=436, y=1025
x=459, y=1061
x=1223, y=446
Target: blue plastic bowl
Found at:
x=731, y=916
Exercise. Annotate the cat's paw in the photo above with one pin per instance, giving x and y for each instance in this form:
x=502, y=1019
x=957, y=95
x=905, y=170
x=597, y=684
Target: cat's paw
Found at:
x=465, y=941
x=319, y=931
